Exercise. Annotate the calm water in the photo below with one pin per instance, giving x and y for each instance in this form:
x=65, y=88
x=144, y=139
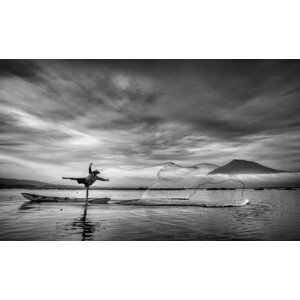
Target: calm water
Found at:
x=271, y=215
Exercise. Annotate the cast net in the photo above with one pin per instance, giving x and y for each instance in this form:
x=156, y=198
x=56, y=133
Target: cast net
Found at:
x=171, y=184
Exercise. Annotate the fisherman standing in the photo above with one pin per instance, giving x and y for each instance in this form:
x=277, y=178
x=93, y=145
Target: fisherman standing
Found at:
x=89, y=180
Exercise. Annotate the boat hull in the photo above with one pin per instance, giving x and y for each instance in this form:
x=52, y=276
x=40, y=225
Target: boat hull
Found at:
x=51, y=199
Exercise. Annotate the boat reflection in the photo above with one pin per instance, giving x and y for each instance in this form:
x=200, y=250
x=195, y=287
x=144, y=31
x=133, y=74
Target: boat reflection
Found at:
x=29, y=206
x=80, y=225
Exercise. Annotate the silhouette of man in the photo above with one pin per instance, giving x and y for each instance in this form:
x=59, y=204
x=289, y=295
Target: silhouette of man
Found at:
x=90, y=179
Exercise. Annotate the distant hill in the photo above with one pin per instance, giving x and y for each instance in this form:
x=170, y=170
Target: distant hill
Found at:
x=11, y=182
x=238, y=166
x=206, y=168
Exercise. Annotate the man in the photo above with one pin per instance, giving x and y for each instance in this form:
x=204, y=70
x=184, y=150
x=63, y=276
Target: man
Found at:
x=89, y=180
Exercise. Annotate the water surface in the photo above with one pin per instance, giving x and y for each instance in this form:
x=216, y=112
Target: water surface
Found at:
x=271, y=215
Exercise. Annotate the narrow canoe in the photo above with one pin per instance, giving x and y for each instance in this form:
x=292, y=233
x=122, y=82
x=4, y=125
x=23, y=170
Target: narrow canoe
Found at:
x=39, y=198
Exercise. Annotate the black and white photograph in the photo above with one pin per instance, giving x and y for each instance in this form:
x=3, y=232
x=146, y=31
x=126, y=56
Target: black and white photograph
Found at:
x=150, y=150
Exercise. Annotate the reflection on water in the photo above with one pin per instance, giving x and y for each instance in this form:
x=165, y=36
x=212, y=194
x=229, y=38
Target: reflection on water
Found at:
x=82, y=223
x=271, y=215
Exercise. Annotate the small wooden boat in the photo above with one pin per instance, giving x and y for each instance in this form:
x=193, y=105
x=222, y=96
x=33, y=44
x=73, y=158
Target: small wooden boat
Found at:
x=51, y=199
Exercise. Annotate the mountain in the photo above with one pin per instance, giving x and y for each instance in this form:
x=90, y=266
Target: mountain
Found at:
x=238, y=166
x=206, y=168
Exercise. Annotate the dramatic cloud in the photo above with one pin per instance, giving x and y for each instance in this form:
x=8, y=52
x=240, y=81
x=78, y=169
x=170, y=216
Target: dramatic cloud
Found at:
x=57, y=116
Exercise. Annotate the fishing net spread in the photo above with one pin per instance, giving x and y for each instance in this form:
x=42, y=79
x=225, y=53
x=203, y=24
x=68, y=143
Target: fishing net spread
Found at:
x=171, y=184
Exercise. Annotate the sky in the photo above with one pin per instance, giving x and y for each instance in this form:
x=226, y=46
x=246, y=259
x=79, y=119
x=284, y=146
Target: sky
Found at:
x=57, y=116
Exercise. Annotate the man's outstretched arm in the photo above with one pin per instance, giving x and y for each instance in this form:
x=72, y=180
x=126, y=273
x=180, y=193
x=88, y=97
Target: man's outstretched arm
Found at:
x=90, y=168
x=102, y=179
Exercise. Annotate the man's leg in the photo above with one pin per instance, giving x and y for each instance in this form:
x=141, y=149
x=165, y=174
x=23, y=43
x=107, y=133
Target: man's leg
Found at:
x=87, y=193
